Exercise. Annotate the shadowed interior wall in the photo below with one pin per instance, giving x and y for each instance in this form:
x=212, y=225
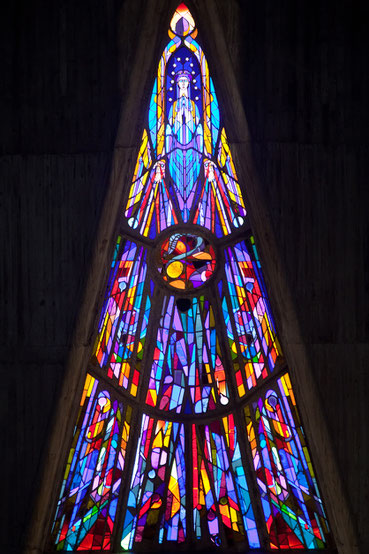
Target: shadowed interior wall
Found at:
x=302, y=70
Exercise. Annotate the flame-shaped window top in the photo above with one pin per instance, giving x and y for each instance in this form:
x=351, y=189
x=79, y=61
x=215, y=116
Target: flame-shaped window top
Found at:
x=182, y=22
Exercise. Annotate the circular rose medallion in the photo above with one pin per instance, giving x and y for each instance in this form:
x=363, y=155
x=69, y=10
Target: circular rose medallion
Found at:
x=186, y=261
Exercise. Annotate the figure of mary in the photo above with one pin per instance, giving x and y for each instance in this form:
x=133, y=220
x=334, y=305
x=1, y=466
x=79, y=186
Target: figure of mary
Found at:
x=184, y=144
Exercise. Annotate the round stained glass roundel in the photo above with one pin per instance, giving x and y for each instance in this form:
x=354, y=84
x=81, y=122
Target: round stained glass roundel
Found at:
x=186, y=261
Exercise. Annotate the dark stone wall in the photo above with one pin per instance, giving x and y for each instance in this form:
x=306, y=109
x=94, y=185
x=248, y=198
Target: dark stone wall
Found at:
x=302, y=69
x=59, y=112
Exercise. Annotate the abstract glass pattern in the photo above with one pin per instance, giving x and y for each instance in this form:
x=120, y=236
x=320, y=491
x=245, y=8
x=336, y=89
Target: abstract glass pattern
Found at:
x=292, y=506
x=119, y=322
x=186, y=261
x=188, y=431
x=257, y=347
x=87, y=506
x=220, y=490
x=157, y=498
x=187, y=373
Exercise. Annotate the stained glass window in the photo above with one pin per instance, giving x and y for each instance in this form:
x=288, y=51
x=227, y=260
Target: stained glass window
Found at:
x=188, y=431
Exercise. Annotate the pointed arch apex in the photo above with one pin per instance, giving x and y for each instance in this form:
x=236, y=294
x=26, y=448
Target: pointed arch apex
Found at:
x=182, y=22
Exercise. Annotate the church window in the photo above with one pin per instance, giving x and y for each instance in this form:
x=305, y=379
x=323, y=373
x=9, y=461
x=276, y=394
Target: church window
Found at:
x=188, y=431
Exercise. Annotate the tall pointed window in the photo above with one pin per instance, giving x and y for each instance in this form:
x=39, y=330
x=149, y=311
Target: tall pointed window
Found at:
x=188, y=431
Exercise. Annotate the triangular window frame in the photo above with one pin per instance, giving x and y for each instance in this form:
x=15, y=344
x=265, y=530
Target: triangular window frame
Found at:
x=124, y=157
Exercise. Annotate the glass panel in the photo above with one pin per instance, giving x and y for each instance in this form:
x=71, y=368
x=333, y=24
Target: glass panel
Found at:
x=256, y=350
x=156, y=507
x=186, y=261
x=187, y=374
x=292, y=505
x=220, y=491
x=118, y=337
x=87, y=505
x=185, y=176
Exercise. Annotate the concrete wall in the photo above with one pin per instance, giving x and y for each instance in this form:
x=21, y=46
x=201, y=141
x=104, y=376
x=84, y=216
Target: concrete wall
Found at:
x=302, y=70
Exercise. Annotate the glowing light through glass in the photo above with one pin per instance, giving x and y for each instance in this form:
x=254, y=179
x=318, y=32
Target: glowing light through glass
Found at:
x=186, y=261
x=188, y=432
